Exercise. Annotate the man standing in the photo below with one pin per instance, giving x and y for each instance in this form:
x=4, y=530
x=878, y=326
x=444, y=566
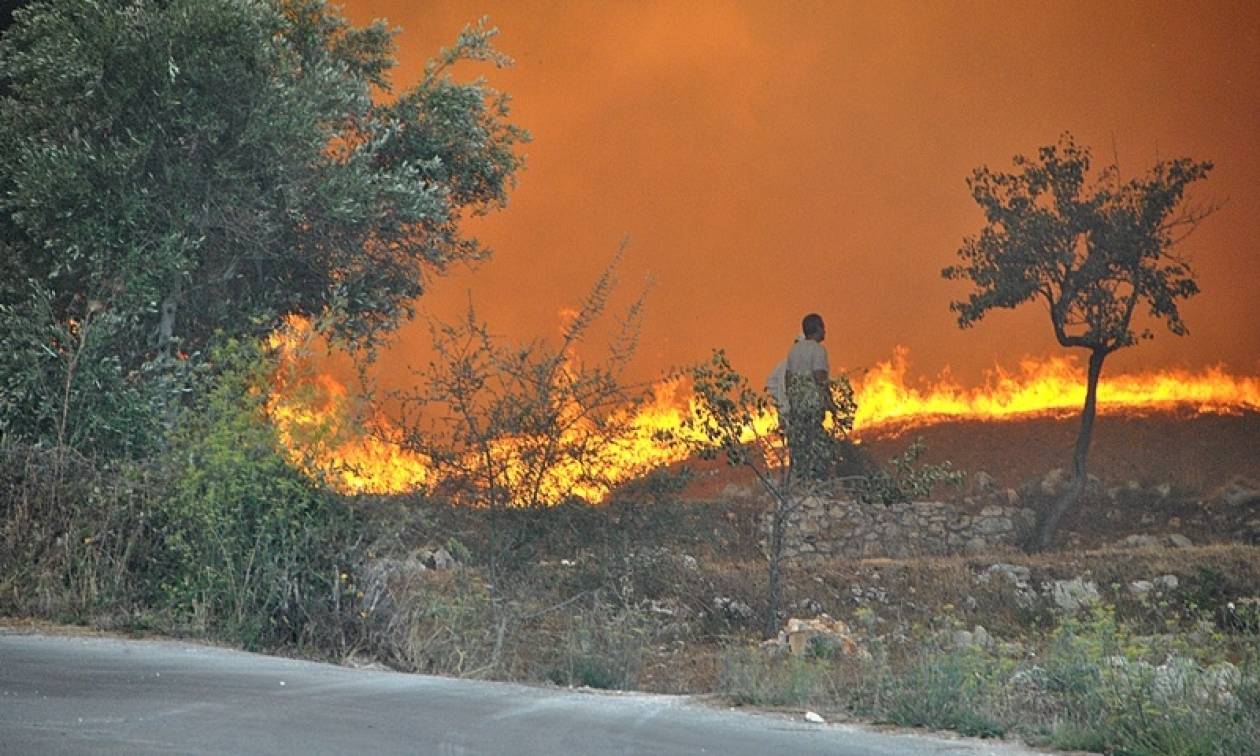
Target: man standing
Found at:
x=809, y=398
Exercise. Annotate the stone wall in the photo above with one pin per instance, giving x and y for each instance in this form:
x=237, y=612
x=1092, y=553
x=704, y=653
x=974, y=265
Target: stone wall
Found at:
x=822, y=527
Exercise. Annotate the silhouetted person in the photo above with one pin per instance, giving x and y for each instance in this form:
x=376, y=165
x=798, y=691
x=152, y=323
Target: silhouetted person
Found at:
x=809, y=398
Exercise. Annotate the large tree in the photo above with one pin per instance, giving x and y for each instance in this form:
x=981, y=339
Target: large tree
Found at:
x=1093, y=252
x=174, y=172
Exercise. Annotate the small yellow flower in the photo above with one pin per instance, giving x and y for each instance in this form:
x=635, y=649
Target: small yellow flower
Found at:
x=87, y=539
x=344, y=577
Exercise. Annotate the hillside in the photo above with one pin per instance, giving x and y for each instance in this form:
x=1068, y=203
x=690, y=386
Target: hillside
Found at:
x=1158, y=472
x=1191, y=451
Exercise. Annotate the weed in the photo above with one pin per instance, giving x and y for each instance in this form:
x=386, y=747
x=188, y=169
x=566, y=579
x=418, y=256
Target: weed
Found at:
x=604, y=647
x=752, y=677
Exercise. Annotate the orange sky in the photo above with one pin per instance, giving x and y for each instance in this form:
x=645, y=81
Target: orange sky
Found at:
x=771, y=158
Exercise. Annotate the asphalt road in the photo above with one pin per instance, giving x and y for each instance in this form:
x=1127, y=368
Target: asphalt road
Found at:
x=96, y=695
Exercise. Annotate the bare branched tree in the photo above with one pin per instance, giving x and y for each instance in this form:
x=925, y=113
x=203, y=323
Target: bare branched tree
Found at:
x=526, y=425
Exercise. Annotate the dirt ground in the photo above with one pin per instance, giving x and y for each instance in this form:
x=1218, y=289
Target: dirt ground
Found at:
x=1189, y=450
x=1157, y=472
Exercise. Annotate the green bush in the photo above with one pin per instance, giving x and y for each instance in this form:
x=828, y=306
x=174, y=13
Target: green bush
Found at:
x=752, y=677
x=1090, y=684
x=61, y=386
x=254, y=549
x=949, y=690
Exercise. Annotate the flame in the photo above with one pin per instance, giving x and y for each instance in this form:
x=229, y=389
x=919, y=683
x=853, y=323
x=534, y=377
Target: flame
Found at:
x=1053, y=385
x=321, y=425
x=324, y=429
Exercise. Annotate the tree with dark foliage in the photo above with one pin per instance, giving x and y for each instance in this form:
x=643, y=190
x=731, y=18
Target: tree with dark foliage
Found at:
x=175, y=173
x=1092, y=253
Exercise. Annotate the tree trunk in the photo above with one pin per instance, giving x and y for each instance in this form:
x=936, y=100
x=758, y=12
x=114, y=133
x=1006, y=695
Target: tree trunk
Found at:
x=166, y=326
x=770, y=627
x=1079, y=474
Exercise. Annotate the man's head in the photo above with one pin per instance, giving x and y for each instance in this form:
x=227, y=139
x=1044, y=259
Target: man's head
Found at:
x=812, y=327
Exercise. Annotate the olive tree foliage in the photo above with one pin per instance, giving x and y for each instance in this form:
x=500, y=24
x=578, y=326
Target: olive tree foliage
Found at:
x=175, y=173
x=1094, y=253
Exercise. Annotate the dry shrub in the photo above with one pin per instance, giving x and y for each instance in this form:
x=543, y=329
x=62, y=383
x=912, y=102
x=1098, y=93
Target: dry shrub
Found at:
x=438, y=623
x=77, y=534
x=604, y=646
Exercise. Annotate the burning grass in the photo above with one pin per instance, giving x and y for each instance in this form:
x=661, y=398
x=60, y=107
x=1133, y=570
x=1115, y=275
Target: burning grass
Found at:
x=1015, y=413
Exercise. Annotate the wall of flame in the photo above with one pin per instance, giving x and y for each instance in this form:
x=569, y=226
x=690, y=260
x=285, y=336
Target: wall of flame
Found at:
x=328, y=432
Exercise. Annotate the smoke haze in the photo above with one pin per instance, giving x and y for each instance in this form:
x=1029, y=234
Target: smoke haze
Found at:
x=767, y=159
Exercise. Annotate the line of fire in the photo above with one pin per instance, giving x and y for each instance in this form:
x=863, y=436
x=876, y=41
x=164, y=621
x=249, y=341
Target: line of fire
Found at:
x=327, y=431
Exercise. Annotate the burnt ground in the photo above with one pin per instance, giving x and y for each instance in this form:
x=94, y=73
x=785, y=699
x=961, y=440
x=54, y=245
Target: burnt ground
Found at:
x=1190, y=451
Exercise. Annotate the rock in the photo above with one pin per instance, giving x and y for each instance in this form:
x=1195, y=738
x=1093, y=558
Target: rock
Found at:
x=774, y=646
x=1141, y=588
x=1179, y=541
x=1070, y=595
x=976, y=545
x=809, y=606
x=690, y=563
x=380, y=572
x=806, y=636
x=1240, y=492
x=1032, y=680
x=814, y=718
x=981, y=637
x=1174, y=679
x=983, y=482
x=1015, y=573
x=1145, y=541
x=994, y=525
x=1167, y=582
x=1018, y=576
x=441, y=560
x=1055, y=481
x=1012, y=497
x=1138, y=541
x=733, y=609
x=1163, y=490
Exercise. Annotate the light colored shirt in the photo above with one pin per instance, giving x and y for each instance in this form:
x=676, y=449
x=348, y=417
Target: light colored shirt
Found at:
x=807, y=357
x=776, y=383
